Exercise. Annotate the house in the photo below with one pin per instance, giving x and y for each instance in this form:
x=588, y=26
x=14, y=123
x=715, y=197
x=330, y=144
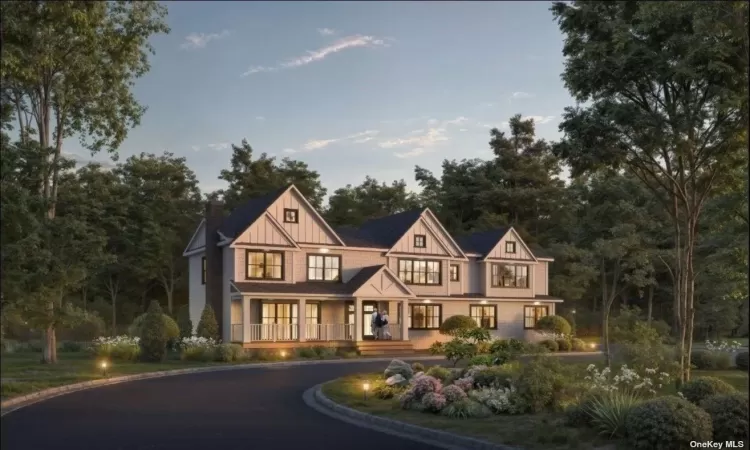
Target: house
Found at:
x=277, y=275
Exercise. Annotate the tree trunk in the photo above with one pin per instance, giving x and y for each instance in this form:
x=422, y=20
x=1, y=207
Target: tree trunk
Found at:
x=605, y=316
x=650, y=307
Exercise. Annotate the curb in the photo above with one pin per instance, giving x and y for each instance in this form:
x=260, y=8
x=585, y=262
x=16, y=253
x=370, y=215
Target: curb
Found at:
x=16, y=403
x=315, y=399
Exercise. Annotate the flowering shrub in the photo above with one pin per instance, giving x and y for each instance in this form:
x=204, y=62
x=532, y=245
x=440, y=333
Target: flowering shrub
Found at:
x=465, y=383
x=628, y=379
x=453, y=393
x=197, y=348
x=465, y=409
x=425, y=384
x=499, y=401
x=723, y=346
x=471, y=371
x=123, y=348
x=439, y=372
x=434, y=402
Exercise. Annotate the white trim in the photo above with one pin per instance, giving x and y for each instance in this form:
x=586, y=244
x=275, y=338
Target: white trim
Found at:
x=390, y=273
x=492, y=299
x=195, y=252
x=501, y=240
x=281, y=229
x=333, y=247
x=442, y=228
x=195, y=234
x=268, y=247
x=546, y=259
x=293, y=296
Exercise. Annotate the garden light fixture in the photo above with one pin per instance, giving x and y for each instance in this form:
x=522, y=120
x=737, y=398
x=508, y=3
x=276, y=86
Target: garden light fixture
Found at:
x=365, y=388
x=283, y=353
x=103, y=365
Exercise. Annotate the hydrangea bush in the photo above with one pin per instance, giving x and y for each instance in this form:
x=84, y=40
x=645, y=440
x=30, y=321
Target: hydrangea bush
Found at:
x=123, y=348
x=197, y=348
x=723, y=346
x=628, y=379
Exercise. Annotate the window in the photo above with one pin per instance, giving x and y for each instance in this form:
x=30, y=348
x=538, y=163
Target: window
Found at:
x=323, y=268
x=510, y=247
x=412, y=271
x=454, y=272
x=505, y=275
x=312, y=312
x=291, y=215
x=284, y=317
x=484, y=315
x=420, y=241
x=425, y=317
x=203, y=270
x=533, y=313
x=265, y=265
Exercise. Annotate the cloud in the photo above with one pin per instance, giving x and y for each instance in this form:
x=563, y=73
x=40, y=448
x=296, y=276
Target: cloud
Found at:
x=457, y=121
x=539, y=120
x=432, y=137
x=195, y=148
x=81, y=161
x=317, y=144
x=411, y=154
x=312, y=56
x=194, y=41
x=517, y=95
x=260, y=118
x=463, y=129
x=219, y=146
x=326, y=31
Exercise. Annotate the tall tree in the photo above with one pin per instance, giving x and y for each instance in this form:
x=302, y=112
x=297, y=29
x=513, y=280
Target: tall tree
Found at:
x=354, y=205
x=666, y=87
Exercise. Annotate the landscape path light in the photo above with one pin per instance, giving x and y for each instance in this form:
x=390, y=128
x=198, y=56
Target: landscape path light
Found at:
x=365, y=388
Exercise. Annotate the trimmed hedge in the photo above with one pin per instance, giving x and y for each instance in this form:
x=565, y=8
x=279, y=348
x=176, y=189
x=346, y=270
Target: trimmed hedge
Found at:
x=667, y=423
x=554, y=324
x=697, y=389
x=729, y=413
x=171, y=327
x=454, y=324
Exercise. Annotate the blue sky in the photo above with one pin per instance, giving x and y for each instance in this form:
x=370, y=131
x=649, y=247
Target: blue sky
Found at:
x=353, y=89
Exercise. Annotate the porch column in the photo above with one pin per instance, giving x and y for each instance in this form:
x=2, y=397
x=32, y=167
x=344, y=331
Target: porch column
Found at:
x=358, y=325
x=301, y=319
x=404, y=320
x=246, y=332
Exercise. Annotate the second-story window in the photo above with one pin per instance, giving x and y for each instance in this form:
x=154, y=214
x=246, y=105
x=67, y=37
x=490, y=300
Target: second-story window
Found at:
x=323, y=268
x=203, y=270
x=265, y=265
x=455, y=272
x=509, y=275
x=412, y=271
x=291, y=215
x=510, y=247
x=420, y=241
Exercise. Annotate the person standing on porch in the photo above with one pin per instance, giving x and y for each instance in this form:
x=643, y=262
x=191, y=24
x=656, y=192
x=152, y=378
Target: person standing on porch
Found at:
x=375, y=324
x=386, y=327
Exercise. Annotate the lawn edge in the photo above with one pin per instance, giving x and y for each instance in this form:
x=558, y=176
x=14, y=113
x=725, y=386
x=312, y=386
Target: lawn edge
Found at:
x=316, y=399
x=16, y=403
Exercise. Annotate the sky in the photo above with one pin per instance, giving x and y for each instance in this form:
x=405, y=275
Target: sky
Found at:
x=350, y=88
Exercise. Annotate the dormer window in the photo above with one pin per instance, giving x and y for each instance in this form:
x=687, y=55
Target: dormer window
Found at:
x=420, y=241
x=510, y=247
x=291, y=215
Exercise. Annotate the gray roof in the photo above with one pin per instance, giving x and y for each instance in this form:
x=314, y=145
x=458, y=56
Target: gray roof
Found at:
x=244, y=215
x=482, y=242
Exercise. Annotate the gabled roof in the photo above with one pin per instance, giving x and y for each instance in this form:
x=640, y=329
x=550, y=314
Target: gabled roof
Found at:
x=246, y=214
x=386, y=231
x=353, y=237
x=482, y=242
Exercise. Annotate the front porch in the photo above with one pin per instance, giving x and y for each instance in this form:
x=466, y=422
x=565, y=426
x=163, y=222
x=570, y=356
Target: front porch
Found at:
x=274, y=322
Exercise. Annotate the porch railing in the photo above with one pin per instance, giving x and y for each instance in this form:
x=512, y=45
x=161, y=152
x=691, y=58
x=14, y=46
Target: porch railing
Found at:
x=237, y=332
x=274, y=332
x=395, y=331
x=329, y=331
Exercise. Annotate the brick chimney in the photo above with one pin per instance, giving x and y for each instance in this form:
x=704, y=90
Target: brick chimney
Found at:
x=214, y=261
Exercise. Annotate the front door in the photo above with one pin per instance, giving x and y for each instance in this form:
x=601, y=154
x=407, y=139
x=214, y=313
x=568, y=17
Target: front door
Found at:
x=367, y=309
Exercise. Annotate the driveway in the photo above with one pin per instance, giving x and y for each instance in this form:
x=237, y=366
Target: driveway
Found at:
x=241, y=409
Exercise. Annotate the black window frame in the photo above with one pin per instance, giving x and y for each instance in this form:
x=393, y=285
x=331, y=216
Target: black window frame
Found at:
x=534, y=315
x=324, y=255
x=319, y=312
x=424, y=241
x=498, y=281
x=204, y=269
x=412, y=271
x=265, y=264
x=493, y=308
x=458, y=272
x=426, y=307
x=296, y=215
x=513, y=243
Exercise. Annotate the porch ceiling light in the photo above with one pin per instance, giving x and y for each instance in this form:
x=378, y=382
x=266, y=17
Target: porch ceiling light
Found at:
x=426, y=301
x=324, y=250
x=537, y=303
x=483, y=302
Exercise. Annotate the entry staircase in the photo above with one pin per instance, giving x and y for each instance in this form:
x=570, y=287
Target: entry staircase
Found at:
x=384, y=347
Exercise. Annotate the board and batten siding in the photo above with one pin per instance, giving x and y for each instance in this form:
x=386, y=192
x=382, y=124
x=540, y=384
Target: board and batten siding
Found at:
x=433, y=243
x=352, y=261
x=520, y=254
x=457, y=287
x=441, y=234
x=541, y=272
x=264, y=231
x=196, y=290
x=200, y=238
x=310, y=229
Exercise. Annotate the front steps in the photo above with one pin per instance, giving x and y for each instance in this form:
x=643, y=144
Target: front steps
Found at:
x=385, y=347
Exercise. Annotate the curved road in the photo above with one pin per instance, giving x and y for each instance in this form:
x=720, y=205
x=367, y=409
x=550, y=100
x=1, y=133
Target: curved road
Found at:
x=240, y=409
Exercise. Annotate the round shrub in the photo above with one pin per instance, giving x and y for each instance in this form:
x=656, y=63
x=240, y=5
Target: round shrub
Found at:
x=550, y=345
x=553, y=324
x=743, y=361
x=666, y=423
x=385, y=392
x=697, y=389
x=453, y=393
x=229, y=352
x=398, y=367
x=454, y=324
x=577, y=345
x=154, y=337
x=170, y=326
x=512, y=345
x=729, y=414
x=564, y=345
x=434, y=402
x=538, y=383
x=439, y=372
x=417, y=367
x=466, y=409
x=465, y=383
x=425, y=384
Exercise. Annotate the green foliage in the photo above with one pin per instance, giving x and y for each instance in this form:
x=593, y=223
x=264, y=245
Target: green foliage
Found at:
x=72, y=347
x=305, y=352
x=564, y=345
x=466, y=409
x=229, y=353
x=496, y=376
x=553, y=324
x=90, y=327
x=578, y=345
x=698, y=389
x=417, y=367
x=184, y=323
x=171, y=327
x=666, y=423
x=609, y=411
x=437, y=348
x=454, y=324
x=707, y=360
x=322, y=351
x=484, y=360
x=439, y=372
x=538, y=382
x=198, y=353
x=509, y=345
x=474, y=335
x=385, y=392
x=743, y=360
x=353, y=206
x=207, y=326
x=729, y=415
x=154, y=335
x=550, y=344
x=398, y=367
x=458, y=349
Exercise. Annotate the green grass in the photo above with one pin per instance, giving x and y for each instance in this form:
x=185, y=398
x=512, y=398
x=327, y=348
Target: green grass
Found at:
x=542, y=431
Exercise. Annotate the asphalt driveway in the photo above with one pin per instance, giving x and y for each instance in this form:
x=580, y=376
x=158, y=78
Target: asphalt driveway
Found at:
x=243, y=409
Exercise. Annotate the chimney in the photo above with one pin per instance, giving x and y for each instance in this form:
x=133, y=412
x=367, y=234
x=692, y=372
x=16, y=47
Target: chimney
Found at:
x=214, y=261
